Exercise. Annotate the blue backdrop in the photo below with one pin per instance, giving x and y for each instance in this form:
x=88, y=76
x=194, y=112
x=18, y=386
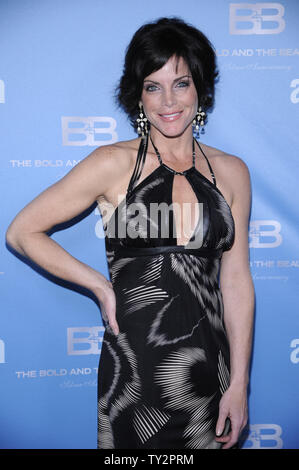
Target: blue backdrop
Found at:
x=60, y=62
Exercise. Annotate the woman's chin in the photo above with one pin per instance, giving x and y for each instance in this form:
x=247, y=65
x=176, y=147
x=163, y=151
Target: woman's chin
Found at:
x=170, y=130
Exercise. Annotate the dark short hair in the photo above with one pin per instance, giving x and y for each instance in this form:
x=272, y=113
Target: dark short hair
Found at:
x=151, y=47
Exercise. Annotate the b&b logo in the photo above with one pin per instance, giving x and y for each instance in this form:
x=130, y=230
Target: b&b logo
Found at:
x=259, y=237
x=264, y=436
x=88, y=130
x=84, y=340
x=258, y=16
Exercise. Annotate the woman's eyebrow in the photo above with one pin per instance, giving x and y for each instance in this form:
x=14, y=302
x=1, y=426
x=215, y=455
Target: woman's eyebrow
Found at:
x=176, y=80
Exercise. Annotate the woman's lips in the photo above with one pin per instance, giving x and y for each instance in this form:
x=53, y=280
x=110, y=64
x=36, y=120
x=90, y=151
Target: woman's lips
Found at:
x=169, y=117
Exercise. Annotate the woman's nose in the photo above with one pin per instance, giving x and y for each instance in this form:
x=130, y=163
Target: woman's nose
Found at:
x=168, y=98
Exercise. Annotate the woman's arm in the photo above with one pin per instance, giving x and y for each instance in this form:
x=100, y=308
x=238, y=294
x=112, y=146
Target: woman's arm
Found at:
x=238, y=298
x=61, y=202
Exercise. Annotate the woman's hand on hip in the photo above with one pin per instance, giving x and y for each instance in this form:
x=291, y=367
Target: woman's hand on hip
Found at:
x=106, y=296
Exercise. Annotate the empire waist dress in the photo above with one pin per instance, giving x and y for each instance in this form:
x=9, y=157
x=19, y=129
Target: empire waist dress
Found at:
x=161, y=378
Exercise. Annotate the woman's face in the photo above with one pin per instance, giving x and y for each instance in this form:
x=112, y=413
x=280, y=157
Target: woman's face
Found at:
x=169, y=98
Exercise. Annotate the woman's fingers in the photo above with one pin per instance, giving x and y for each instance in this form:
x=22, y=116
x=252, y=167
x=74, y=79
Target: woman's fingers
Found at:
x=230, y=438
x=222, y=420
x=108, y=306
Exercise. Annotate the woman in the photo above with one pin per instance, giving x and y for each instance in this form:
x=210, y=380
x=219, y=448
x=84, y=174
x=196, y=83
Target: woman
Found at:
x=173, y=370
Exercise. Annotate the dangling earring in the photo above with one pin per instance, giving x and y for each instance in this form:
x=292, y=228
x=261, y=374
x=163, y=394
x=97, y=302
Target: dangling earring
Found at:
x=199, y=121
x=141, y=122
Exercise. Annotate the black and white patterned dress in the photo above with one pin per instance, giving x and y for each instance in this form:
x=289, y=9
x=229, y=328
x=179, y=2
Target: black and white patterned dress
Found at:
x=160, y=380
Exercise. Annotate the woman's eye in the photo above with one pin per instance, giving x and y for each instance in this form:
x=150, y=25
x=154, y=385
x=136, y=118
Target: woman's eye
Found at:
x=184, y=84
x=148, y=88
x=151, y=88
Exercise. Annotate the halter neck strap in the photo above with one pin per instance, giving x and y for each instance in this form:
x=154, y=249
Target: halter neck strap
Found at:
x=161, y=162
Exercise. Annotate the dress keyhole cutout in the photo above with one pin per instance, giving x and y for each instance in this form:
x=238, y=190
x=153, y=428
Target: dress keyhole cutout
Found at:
x=185, y=210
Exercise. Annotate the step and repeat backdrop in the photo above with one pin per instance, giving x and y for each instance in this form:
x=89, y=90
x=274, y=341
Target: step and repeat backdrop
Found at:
x=60, y=62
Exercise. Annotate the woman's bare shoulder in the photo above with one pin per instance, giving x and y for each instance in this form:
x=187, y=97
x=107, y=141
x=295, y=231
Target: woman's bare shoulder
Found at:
x=229, y=162
x=122, y=147
x=228, y=166
x=112, y=162
x=231, y=171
